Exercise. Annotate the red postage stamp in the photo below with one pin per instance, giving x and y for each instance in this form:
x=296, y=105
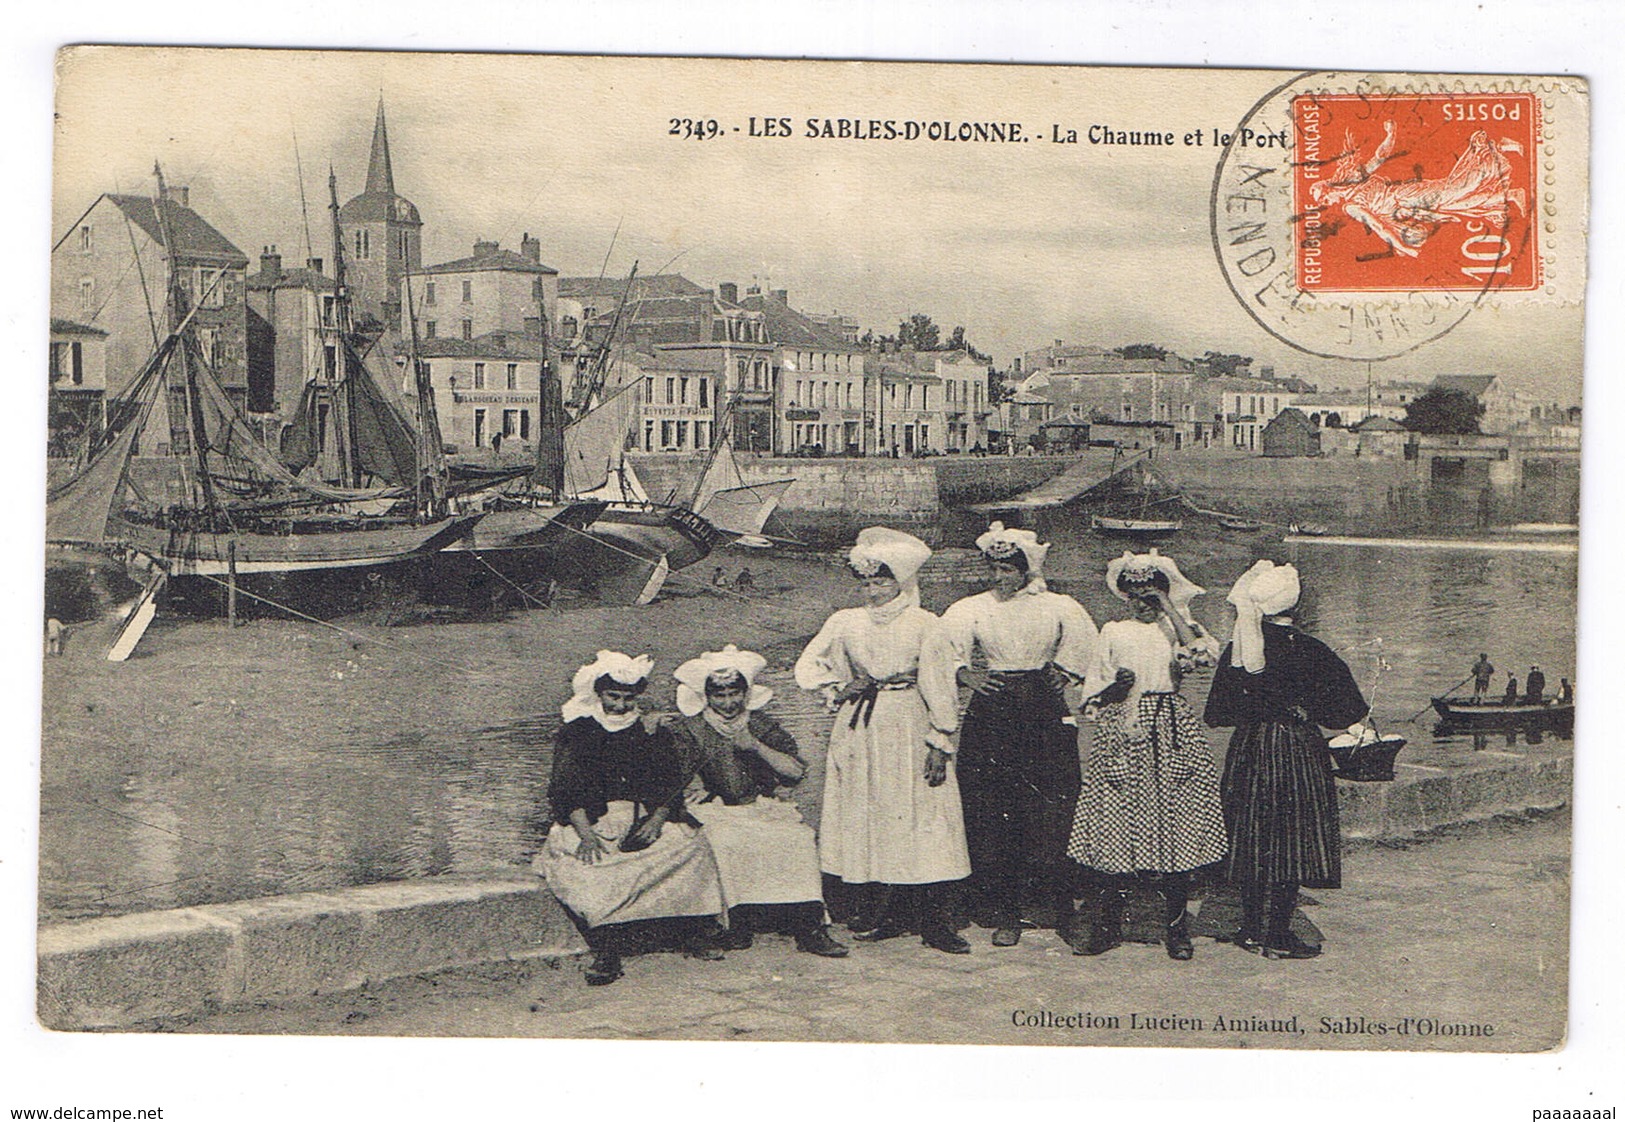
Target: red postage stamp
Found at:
x=1408, y=192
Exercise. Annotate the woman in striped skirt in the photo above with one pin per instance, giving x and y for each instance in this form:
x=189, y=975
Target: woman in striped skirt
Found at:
x=1149, y=804
x=1279, y=687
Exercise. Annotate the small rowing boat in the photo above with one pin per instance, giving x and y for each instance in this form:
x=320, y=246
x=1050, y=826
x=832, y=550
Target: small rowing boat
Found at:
x=1240, y=525
x=1464, y=712
x=1141, y=527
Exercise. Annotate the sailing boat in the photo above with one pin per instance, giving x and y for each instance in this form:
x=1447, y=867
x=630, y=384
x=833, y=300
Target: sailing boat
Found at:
x=634, y=544
x=247, y=516
x=739, y=510
x=1139, y=523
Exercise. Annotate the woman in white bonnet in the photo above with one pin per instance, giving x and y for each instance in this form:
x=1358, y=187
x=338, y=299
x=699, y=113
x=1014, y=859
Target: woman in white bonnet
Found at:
x=891, y=821
x=767, y=856
x=1279, y=687
x=1150, y=798
x=1018, y=752
x=621, y=848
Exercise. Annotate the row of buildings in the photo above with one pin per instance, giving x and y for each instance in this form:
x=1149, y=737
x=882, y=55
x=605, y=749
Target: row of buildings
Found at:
x=705, y=360
x=781, y=380
x=1070, y=394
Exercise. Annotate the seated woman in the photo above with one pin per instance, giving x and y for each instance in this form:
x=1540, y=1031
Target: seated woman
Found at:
x=765, y=854
x=620, y=849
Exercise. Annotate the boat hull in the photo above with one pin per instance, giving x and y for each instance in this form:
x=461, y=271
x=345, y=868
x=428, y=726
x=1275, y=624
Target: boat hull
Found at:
x=321, y=573
x=1460, y=713
x=630, y=545
x=198, y=553
x=1135, y=527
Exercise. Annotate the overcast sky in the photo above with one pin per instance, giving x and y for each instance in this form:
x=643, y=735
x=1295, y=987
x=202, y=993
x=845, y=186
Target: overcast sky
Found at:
x=1021, y=243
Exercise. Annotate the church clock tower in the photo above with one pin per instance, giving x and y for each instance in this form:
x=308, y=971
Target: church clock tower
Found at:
x=383, y=238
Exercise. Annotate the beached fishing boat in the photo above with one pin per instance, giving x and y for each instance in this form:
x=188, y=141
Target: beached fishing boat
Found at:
x=1465, y=713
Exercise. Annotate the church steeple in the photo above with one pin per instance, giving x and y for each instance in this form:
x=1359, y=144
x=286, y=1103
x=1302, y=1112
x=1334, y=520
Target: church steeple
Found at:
x=380, y=176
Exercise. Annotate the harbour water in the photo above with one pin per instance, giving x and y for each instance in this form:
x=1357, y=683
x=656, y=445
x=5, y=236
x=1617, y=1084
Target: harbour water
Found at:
x=289, y=758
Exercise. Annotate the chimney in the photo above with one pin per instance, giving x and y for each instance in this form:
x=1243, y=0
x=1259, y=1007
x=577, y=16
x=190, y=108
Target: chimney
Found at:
x=531, y=249
x=782, y=295
x=314, y=264
x=730, y=292
x=482, y=247
x=753, y=290
x=271, y=262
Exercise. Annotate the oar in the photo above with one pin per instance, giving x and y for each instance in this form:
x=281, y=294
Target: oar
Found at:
x=1412, y=718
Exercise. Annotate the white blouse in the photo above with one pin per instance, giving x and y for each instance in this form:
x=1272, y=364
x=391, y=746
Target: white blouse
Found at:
x=1029, y=631
x=1148, y=649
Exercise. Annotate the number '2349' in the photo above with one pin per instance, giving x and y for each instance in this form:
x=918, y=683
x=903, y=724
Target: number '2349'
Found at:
x=694, y=128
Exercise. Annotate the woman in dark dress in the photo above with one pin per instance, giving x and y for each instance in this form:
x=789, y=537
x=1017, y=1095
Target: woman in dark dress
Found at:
x=1278, y=687
x=621, y=848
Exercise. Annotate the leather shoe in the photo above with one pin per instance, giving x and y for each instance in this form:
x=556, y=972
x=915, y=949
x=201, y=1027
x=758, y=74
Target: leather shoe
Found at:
x=734, y=939
x=1007, y=936
x=818, y=942
x=1178, y=941
x=945, y=940
x=1292, y=948
x=605, y=968
x=1101, y=940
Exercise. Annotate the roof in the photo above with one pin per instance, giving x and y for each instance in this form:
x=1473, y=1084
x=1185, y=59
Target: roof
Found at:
x=1378, y=424
x=1290, y=416
x=599, y=289
x=506, y=345
x=705, y=360
x=379, y=202
x=1348, y=399
x=70, y=327
x=790, y=328
x=1473, y=385
x=194, y=239
x=290, y=278
x=496, y=260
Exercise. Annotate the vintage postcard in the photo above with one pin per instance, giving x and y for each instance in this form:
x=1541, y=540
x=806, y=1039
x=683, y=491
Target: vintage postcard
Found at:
x=702, y=549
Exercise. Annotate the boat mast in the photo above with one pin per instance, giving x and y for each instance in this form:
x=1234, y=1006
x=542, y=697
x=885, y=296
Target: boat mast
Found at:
x=428, y=451
x=549, y=473
x=340, y=382
x=178, y=313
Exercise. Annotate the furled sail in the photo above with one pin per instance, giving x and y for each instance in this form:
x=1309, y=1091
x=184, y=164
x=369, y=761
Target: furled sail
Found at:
x=595, y=443
x=728, y=502
x=79, y=510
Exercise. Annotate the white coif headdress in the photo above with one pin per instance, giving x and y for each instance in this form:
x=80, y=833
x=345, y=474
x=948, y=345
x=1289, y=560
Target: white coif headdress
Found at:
x=619, y=668
x=730, y=660
x=1181, y=589
x=902, y=555
x=1266, y=589
x=1000, y=544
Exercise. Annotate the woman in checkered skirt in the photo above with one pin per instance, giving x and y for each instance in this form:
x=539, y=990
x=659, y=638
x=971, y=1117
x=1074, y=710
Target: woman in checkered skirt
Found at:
x=1150, y=797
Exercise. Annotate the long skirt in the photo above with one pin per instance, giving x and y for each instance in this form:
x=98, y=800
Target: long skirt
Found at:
x=764, y=852
x=676, y=876
x=1280, y=804
x=1019, y=778
x=1150, y=797
x=881, y=821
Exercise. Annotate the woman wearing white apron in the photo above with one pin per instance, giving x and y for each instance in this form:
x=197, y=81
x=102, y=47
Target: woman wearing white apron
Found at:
x=891, y=815
x=619, y=849
x=742, y=758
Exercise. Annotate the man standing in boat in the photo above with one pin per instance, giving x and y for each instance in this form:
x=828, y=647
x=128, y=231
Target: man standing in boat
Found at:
x=1483, y=673
x=1534, y=687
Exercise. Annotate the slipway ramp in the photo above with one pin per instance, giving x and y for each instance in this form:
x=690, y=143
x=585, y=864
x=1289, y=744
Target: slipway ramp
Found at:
x=1094, y=467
